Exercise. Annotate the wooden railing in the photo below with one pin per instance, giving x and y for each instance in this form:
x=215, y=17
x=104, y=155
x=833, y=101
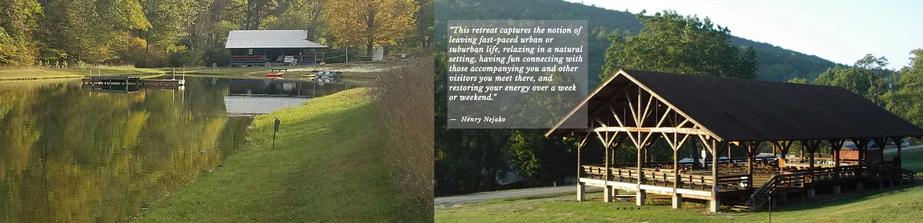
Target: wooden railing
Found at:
x=734, y=182
x=795, y=180
x=666, y=178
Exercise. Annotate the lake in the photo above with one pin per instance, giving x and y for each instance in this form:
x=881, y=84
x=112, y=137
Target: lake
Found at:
x=73, y=153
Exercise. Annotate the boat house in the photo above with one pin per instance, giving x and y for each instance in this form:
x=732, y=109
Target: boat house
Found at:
x=634, y=110
x=272, y=47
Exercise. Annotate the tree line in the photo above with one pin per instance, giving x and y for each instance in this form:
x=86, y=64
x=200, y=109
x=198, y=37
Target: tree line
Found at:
x=899, y=91
x=157, y=33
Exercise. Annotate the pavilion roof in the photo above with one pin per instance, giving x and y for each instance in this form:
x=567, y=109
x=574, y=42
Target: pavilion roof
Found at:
x=747, y=110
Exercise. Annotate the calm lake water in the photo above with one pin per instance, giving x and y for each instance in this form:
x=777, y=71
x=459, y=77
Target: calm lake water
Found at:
x=71, y=153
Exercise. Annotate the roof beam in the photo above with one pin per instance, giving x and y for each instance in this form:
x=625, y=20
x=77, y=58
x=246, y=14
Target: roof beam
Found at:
x=693, y=131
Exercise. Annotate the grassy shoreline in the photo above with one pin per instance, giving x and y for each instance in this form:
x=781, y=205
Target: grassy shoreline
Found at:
x=44, y=73
x=326, y=165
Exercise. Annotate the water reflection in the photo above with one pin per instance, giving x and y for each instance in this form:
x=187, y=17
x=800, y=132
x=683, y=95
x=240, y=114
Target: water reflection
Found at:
x=70, y=153
x=290, y=88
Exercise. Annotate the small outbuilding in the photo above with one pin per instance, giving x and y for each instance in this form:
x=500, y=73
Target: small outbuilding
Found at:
x=272, y=47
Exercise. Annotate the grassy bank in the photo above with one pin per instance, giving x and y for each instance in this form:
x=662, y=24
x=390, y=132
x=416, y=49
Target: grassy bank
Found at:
x=326, y=165
x=902, y=204
x=39, y=73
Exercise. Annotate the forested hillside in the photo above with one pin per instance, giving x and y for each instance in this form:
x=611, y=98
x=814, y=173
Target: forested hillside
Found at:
x=773, y=63
x=156, y=33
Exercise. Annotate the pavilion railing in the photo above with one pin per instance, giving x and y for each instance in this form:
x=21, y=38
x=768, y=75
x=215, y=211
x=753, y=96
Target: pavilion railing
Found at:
x=797, y=180
x=660, y=177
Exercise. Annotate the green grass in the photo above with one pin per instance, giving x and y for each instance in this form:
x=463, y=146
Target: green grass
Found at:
x=37, y=73
x=900, y=204
x=326, y=166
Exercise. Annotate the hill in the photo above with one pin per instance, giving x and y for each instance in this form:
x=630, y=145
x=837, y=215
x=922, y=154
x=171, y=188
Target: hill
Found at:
x=774, y=63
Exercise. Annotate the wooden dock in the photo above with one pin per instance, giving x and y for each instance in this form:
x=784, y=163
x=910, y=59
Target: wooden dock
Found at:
x=131, y=81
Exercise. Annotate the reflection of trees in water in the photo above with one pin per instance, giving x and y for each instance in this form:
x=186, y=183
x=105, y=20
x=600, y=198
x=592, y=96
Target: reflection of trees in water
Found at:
x=76, y=155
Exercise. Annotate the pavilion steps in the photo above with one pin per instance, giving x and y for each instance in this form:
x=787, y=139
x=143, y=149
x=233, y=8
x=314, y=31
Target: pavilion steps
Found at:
x=742, y=207
x=907, y=176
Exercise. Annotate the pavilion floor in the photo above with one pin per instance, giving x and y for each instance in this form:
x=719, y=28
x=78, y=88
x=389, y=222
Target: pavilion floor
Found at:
x=735, y=184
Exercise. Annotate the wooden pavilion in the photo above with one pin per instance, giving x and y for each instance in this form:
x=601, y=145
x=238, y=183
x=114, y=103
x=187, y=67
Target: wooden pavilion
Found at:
x=733, y=115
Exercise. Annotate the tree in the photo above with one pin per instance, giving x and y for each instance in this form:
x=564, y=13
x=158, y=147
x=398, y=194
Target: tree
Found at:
x=256, y=10
x=17, y=21
x=369, y=22
x=169, y=22
x=872, y=67
x=296, y=14
x=424, y=26
x=669, y=42
x=865, y=78
x=798, y=80
x=908, y=99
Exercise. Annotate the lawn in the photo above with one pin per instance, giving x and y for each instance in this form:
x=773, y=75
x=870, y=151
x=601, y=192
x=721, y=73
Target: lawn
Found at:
x=899, y=204
x=326, y=165
x=35, y=73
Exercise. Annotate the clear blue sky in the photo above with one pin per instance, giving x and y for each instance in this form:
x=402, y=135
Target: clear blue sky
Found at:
x=840, y=31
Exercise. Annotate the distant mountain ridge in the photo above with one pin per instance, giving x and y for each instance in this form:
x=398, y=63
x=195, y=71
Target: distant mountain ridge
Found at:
x=774, y=63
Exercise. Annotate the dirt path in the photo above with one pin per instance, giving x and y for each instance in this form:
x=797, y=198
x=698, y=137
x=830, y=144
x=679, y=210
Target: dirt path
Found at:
x=507, y=194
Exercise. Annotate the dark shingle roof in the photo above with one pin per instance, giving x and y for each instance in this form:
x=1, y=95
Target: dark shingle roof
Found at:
x=738, y=109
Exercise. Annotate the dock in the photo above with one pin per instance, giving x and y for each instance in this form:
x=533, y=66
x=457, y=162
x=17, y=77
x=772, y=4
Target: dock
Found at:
x=129, y=80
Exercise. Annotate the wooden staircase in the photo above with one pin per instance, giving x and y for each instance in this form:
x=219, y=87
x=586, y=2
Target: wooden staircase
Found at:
x=784, y=183
x=907, y=176
x=781, y=183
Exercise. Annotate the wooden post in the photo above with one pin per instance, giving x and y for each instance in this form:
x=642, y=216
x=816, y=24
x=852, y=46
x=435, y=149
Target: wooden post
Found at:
x=580, y=185
x=730, y=156
x=714, y=203
x=835, y=146
x=607, y=192
x=801, y=151
x=639, y=194
x=677, y=199
x=811, y=146
x=882, y=171
x=897, y=157
x=862, y=146
x=606, y=140
x=676, y=143
x=750, y=161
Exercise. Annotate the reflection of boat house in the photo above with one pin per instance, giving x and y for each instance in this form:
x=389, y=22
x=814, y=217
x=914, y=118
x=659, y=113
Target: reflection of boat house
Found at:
x=636, y=109
x=266, y=87
x=277, y=47
x=289, y=88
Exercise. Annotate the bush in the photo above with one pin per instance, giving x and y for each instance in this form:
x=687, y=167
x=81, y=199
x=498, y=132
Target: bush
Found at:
x=217, y=56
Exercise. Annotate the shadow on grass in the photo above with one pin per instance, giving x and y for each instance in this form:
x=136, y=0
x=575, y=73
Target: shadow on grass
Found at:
x=848, y=197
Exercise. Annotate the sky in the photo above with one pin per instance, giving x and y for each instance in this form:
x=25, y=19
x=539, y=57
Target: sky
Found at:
x=839, y=31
